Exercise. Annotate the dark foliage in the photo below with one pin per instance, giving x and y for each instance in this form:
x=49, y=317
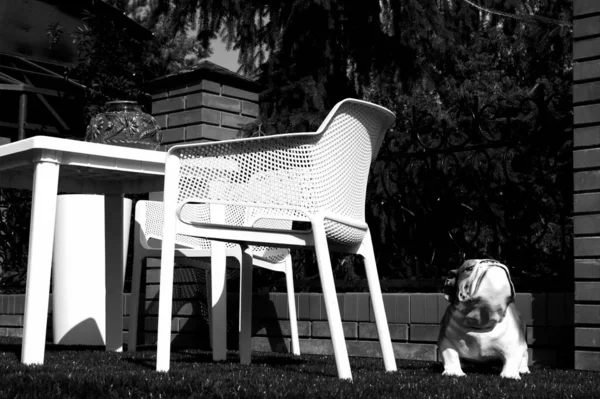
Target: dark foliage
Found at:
x=479, y=162
x=487, y=180
x=109, y=64
x=15, y=213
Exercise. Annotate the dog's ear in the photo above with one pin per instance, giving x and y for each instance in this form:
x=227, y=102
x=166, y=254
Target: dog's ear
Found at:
x=450, y=286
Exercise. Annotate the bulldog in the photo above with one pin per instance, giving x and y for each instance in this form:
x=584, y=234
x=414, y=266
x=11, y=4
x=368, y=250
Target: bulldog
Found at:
x=482, y=322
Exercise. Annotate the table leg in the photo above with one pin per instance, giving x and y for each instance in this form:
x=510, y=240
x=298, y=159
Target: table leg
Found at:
x=114, y=255
x=218, y=288
x=165, y=300
x=39, y=265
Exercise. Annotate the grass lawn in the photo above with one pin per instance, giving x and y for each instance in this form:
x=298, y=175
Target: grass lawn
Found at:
x=75, y=372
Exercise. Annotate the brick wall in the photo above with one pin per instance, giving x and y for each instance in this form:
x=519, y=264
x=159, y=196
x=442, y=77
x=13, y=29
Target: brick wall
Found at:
x=586, y=165
x=413, y=322
x=204, y=104
x=12, y=308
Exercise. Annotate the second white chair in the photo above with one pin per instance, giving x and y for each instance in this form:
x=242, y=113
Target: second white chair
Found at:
x=147, y=244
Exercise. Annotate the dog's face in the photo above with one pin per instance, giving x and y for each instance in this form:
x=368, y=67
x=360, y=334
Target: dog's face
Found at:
x=480, y=292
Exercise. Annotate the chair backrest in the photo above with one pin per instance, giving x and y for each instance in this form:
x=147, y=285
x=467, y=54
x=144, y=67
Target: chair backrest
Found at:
x=330, y=175
x=352, y=135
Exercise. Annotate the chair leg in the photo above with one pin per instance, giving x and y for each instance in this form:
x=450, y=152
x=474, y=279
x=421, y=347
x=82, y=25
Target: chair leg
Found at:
x=165, y=307
x=366, y=250
x=289, y=279
x=134, y=299
x=218, y=320
x=208, y=307
x=245, y=320
x=331, y=303
x=165, y=310
x=218, y=283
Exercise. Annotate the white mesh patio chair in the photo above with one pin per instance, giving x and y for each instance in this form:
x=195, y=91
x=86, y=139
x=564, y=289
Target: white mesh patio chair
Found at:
x=318, y=177
x=189, y=252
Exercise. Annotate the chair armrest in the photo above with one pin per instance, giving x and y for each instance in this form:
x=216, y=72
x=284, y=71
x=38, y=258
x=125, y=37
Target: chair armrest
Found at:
x=267, y=216
x=250, y=141
x=195, y=211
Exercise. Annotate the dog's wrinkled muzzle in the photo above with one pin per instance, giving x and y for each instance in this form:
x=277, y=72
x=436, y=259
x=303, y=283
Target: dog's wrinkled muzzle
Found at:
x=484, y=295
x=483, y=316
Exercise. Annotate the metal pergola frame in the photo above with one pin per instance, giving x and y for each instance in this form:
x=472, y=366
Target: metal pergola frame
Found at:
x=16, y=73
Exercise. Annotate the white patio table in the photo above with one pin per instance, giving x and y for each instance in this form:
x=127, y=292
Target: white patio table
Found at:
x=48, y=165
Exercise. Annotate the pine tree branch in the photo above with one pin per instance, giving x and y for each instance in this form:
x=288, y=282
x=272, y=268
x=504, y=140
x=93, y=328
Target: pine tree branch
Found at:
x=521, y=17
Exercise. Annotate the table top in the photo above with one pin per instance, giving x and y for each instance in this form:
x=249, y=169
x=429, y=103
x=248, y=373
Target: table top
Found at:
x=85, y=167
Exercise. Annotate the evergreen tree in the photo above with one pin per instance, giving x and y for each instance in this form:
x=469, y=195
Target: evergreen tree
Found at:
x=312, y=53
x=309, y=54
x=170, y=50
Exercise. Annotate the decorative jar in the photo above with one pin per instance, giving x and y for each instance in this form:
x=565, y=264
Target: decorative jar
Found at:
x=124, y=124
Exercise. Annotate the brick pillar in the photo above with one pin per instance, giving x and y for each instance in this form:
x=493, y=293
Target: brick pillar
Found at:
x=204, y=104
x=586, y=166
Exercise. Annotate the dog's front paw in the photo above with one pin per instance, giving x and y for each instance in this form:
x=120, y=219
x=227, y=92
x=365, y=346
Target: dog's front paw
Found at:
x=454, y=372
x=524, y=370
x=514, y=375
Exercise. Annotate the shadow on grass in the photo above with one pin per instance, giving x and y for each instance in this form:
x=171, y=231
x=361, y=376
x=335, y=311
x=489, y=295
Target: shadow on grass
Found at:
x=277, y=360
x=492, y=368
x=194, y=359
x=14, y=346
x=146, y=356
